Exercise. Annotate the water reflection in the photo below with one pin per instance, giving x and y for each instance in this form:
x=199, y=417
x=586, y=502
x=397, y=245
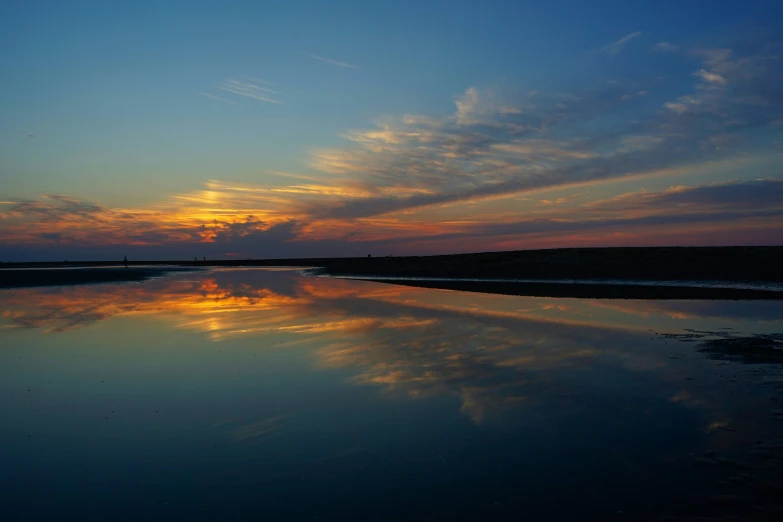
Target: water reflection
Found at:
x=221, y=296
x=485, y=349
x=611, y=379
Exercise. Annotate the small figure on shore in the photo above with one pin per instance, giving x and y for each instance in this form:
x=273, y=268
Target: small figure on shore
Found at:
x=125, y=260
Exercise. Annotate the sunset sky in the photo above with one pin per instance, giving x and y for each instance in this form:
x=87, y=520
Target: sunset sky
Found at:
x=165, y=130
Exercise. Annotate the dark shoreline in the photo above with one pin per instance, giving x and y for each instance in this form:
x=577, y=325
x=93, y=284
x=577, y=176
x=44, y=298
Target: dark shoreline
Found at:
x=671, y=264
x=638, y=263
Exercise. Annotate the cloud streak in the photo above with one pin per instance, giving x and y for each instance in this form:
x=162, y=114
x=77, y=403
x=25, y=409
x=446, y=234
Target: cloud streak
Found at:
x=738, y=196
x=216, y=98
x=667, y=47
x=330, y=61
x=616, y=47
x=253, y=89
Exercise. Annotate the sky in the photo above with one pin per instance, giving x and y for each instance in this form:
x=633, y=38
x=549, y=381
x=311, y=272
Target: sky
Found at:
x=170, y=130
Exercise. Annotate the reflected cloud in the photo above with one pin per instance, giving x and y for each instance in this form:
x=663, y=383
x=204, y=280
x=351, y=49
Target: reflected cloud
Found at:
x=485, y=351
x=710, y=314
x=258, y=429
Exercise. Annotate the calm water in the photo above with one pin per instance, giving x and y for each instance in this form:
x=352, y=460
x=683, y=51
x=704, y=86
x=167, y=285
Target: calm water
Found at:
x=264, y=395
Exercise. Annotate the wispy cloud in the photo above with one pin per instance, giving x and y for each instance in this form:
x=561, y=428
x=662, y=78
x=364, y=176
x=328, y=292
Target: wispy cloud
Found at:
x=216, y=98
x=330, y=61
x=55, y=207
x=737, y=196
x=711, y=77
x=667, y=47
x=249, y=88
x=485, y=150
x=258, y=80
x=614, y=48
x=559, y=201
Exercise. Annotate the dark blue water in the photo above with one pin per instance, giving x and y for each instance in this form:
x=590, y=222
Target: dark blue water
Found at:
x=265, y=395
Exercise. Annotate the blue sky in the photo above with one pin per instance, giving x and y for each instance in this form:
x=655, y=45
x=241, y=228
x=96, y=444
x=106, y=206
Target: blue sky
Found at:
x=133, y=105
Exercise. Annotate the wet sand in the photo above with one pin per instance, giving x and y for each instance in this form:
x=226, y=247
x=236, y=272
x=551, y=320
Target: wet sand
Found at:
x=748, y=483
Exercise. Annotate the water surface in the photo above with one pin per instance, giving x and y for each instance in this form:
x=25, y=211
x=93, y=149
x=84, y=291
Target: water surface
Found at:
x=266, y=395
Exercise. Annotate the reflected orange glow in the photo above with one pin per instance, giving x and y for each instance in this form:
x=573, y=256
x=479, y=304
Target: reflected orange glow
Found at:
x=416, y=341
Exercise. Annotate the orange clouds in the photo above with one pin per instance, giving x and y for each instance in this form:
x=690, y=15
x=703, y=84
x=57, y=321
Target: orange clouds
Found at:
x=244, y=220
x=428, y=184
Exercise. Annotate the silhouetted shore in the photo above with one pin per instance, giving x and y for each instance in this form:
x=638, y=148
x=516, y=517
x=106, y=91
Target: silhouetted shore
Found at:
x=661, y=264
x=646, y=263
x=750, y=264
